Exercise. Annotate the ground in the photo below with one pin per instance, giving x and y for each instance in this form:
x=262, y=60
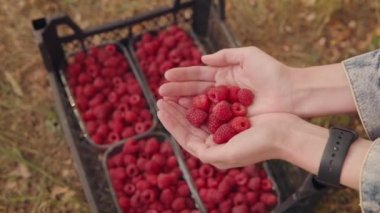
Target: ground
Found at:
x=37, y=173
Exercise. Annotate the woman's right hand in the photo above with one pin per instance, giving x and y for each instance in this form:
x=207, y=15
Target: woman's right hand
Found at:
x=246, y=67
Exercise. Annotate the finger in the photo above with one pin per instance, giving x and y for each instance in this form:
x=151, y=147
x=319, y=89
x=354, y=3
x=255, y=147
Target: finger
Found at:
x=173, y=118
x=185, y=102
x=190, y=88
x=195, y=73
x=225, y=57
x=167, y=98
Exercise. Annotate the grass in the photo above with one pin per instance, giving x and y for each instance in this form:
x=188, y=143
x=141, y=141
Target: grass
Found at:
x=37, y=173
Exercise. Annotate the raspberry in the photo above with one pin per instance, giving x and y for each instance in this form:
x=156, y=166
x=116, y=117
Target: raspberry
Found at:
x=113, y=136
x=152, y=179
x=130, y=147
x=258, y=208
x=241, y=179
x=223, y=134
x=151, y=167
x=254, y=183
x=148, y=196
x=112, y=62
x=192, y=163
x=99, y=83
x=196, y=116
x=141, y=162
x=128, y=132
x=213, y=123
x=129, y=189
x=212, y=183
x=140, y=127
x=266, y=185
x=110, y=49
x=183, y=190
x=166, y=196
x=240, y=209
x=135, y=201
x=98, y=139
x=240, y=124
x=217, y=94
x=245, y=97
x=113, y=97
x=251, y=197
x=129, y=159
x=132, y=170
x=152, y=146
x=194, y=173
x=222, y=111
x=164, y=180
x=239, y=199
x=159, y=159
x=225, y=206
x=238, y=109
x=134, y=99
x=206, y=171
x=179, y=204
x=98, y=99
x=268, y=199
x=102, y=111
x=200, y=182
x=201, y=102
x=118, y=126
x=233, y=93
x=166, y=149
x=123, y=202
x=118, y=173
x=172, y=162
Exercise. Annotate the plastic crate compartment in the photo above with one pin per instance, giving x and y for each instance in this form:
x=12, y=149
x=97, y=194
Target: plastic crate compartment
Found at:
x=113, y=161
x=112, y=90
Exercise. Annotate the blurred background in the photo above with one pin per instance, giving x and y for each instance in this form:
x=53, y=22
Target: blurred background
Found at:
x=37, y=173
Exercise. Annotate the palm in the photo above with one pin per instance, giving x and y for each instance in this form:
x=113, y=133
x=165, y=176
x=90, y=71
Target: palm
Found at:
x=248, y=147
x=251, y=69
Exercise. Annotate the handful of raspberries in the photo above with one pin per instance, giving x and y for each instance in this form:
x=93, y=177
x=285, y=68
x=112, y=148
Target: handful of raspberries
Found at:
x=223, y=109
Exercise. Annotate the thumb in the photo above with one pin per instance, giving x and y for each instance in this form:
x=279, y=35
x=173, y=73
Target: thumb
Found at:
x=225, y=57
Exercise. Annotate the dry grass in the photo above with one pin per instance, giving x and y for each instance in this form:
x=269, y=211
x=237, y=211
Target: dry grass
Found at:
x=37, y=173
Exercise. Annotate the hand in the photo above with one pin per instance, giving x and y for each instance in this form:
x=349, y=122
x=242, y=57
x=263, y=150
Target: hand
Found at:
x=265, y=140
x=246, y=67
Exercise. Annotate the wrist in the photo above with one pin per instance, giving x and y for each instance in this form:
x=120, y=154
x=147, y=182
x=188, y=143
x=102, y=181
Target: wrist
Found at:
x=313, y=87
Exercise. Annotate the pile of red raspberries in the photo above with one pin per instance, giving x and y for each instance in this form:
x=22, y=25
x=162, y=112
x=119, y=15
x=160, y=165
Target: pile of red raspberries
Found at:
x=170, y=48
x=107, y=95
x=223, y=109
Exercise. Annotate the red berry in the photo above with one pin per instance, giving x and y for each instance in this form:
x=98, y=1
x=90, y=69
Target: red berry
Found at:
x=129, y=189
x=152, y=146
x=233, y=93
x=201, y=102
x=240, y=123
x=140, y=127
x=196, y=116
x=148, y=196
x=222, y=111
x=118, y=173
x=164, y=180
x=151, y=167
x=266, y=185
x=113, y=137
x=245, y=97
x=241, y=179
x=251, y=197
x=225, y=206
x=217, y=94
x=213, y=123
x=110, y=49
x=268, y=199
x=129, y=159
x=124, y=202
x=179, y=204
x=239, y=199
x=206, y=171
x=254, y=183
x=238, y=109
x=166, y=196
x=258, y=208
x=128, y=132
x=159, y=159
x=223, y=134
x=132, y=170
x=172, y=162
x=240, y=209
x=183, y=190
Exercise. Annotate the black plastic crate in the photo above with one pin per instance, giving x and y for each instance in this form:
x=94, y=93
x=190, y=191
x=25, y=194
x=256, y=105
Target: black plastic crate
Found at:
x=204, y=17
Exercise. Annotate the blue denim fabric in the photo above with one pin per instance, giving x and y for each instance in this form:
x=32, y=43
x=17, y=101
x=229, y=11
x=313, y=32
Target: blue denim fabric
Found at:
x=363, y=72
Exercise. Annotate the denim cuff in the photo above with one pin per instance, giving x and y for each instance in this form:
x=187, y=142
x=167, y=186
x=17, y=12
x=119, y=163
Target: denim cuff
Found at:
x=363, y=73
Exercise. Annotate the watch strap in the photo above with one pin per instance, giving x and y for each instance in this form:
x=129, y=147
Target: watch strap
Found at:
x=335, y=152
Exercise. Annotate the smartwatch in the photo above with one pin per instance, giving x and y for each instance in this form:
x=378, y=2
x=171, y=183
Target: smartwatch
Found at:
x=335, y=152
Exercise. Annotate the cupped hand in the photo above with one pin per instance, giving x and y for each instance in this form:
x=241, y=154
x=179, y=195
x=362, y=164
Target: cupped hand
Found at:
x=246, y=67
x=263, y=141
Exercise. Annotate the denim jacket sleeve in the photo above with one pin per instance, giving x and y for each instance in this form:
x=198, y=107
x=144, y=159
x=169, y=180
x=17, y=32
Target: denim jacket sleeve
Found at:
x=363, y=73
